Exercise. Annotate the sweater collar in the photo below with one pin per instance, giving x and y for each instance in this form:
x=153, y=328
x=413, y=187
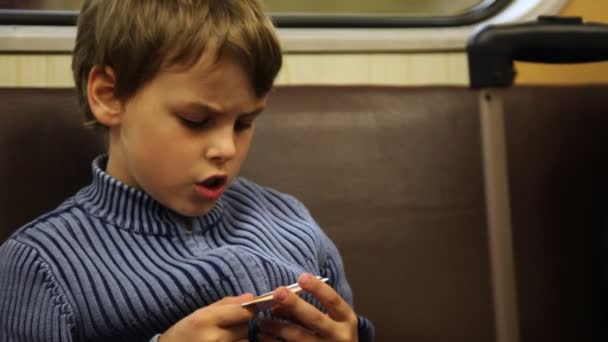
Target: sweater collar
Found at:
x=128, y=208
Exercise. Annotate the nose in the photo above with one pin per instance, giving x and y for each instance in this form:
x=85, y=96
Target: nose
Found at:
x=221, y=145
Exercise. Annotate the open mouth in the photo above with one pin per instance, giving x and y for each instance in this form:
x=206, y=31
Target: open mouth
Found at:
x=212, y=188
x=214, y=182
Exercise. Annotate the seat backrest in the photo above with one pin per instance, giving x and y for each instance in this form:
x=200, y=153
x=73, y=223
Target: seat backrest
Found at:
x=45, y=153
x=394, y=177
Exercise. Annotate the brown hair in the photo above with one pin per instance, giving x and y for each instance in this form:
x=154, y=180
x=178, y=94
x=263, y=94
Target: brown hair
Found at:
x=137, y=38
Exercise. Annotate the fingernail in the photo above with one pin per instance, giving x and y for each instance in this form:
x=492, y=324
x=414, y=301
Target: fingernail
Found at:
x=280, y=295
x=305, y=279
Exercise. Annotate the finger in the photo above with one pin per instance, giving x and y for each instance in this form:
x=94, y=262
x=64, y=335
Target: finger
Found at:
x=284, y=313
x=235, y=300
x=226, y=315
x=266, y=338
x=292, y=306
x=239, y=333
x=337, y=308
x=288, y=318
x=289, y=332
x=244, y=298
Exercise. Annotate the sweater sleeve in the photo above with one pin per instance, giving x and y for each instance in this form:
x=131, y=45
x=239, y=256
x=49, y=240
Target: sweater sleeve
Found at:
x=32, y=305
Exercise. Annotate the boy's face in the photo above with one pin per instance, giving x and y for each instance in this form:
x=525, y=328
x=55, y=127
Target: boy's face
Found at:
x=183, y=136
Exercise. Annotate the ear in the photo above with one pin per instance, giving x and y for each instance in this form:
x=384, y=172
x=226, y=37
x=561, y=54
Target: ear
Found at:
x=105, y=105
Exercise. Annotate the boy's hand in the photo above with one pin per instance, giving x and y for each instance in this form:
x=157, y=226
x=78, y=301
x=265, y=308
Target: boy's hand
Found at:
x=224, y=320
x=310, y=324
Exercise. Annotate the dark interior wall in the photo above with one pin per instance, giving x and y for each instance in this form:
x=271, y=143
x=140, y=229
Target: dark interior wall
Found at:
x=558, y=171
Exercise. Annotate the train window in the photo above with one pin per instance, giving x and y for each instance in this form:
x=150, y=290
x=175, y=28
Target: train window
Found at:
x=298, y=13
x=382, y=13
x=47, y=5
x=305, y=26
x=376, y=7
x=380, y=7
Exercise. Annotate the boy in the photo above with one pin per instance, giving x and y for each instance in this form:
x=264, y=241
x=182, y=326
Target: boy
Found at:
x=167, y=243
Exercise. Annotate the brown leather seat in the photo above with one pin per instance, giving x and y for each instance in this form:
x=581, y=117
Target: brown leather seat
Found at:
x=394, y=177
x=45, y=153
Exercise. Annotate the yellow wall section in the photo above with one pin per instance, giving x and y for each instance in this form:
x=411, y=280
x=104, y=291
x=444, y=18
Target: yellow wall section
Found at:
x=378, y=69
x=35, y=71
x=301, y=69
x=586, y=73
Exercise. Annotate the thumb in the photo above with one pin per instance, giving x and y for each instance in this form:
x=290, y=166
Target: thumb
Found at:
x=236, y=300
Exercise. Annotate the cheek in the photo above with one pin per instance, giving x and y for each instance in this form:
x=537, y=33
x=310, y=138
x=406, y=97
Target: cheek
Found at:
x=153, y=147
x=243, y=143
x=144, y=140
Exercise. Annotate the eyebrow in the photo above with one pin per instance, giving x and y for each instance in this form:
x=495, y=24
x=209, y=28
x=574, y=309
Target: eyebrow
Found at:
x=254, y=113
x=217, y=111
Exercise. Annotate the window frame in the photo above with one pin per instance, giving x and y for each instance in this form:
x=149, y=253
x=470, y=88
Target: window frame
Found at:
x=38, y=17
x=480, y=12
x=58, y=38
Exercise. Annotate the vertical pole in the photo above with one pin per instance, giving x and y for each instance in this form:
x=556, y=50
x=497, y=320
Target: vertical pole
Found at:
x=496, y=181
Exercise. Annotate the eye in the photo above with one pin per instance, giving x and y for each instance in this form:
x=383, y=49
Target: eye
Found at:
x=194, y=124
x=242, y=125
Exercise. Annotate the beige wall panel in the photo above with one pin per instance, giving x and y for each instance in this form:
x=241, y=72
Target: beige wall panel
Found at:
x=458, y=69
x=390, y=69
x=298, y=69
x=7, y=72
x=327, y=69
x=377, y=69
x=59, y=70
x=35, y=71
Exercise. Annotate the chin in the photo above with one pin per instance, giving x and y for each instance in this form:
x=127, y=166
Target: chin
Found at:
x=196, y=211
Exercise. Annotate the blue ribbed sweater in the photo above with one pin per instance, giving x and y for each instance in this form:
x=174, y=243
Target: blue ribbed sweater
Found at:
x=112, y=264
